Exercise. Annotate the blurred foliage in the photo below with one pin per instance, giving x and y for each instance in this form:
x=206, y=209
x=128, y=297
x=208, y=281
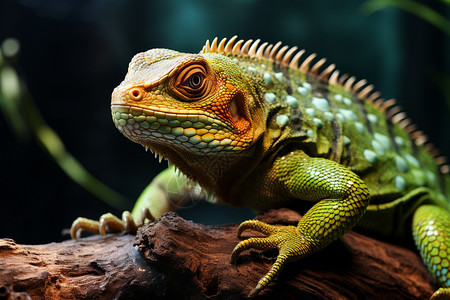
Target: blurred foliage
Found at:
x=429, y=15
x=422, y=11
x=25, y=120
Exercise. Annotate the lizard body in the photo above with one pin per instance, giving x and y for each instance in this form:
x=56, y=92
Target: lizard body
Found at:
x=253, y=125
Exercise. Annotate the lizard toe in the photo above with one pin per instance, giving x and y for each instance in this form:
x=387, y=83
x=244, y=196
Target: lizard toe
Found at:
x=109, y=223
x=441, y=294
x=267, y=243
x=83, y=224
x=257, y=226
x=287, y=239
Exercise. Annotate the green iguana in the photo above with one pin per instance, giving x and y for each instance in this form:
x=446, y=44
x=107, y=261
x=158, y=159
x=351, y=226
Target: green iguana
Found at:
x=253, y=127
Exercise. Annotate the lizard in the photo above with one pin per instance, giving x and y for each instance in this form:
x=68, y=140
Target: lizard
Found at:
x=249, y=124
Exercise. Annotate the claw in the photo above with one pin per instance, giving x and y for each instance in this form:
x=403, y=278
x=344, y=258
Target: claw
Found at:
x=257, y=226
x=290, y=243
x=272, y=274
x=109, y=223
x=83, y=224
x=255, y=291
x=128, y=223
x=441, y=294
x=255, y=243
x=146, y=215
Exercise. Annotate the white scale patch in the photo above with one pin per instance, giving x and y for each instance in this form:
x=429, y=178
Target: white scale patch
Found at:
x=399, y=141
x=282, y=120
x=279, y=76
x=292, y=101
x=267, y=78
x=360, y=127
x=306, y=85
x=338, y=98
x=399, y=182
x=349, y=114
x=412, y=160
x=311, y=112
x=302, y=91
x=321, y=104
x=253, y=70
x=378, y=147
x=370, y=156
x=372, y=118
x=318, y=122
x=347, y=101
x=270, y=97
x=341, y=99
x=401, y=164
x=346, y=140
x=329, y=116
x=384, y=140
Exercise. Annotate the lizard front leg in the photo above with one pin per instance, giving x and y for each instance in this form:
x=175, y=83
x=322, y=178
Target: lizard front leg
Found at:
x=431, y=231
x=167, y=192
x=341, y=197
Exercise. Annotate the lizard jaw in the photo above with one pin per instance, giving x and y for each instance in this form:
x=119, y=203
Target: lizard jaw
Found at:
x=143, y=127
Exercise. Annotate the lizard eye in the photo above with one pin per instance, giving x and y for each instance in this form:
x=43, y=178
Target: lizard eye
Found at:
x=135, y=94
x=192, y=82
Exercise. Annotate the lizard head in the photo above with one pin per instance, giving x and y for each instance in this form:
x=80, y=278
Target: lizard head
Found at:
x=192, y=109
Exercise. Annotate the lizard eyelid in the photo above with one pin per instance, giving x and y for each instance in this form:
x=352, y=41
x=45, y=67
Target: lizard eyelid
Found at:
x=192, y=82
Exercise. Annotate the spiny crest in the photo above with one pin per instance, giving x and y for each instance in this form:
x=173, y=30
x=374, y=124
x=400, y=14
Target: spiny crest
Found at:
x=285, y=56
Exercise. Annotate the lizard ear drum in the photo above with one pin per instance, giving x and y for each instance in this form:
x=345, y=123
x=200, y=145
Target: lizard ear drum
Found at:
x=192, y=82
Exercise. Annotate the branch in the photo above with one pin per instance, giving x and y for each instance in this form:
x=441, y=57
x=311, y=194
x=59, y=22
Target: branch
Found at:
x=173, y=257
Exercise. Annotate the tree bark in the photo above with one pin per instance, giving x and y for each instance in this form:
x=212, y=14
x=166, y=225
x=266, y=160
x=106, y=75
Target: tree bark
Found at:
x=173, y=258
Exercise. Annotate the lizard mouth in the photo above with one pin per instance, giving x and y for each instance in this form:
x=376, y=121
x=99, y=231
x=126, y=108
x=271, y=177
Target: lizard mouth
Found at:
x=201, y=133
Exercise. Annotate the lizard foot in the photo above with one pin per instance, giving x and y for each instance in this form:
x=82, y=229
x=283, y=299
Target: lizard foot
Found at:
x=287, y=239
x=109, y=223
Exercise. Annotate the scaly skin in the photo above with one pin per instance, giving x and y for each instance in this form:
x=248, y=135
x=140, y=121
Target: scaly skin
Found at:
x=247, y=126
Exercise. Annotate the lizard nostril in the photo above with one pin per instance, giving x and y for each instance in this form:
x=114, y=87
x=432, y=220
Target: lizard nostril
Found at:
x=136, y=94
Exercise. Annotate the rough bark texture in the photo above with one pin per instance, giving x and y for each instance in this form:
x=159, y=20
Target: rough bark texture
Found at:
x=174, y=258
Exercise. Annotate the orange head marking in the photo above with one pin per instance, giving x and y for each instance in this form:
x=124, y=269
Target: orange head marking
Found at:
x=185, y=106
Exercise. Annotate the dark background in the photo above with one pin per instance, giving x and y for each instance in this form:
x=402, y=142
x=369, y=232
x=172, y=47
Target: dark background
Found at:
x=73, y=53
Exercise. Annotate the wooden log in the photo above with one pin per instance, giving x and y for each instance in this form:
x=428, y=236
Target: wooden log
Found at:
x=174, y=258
